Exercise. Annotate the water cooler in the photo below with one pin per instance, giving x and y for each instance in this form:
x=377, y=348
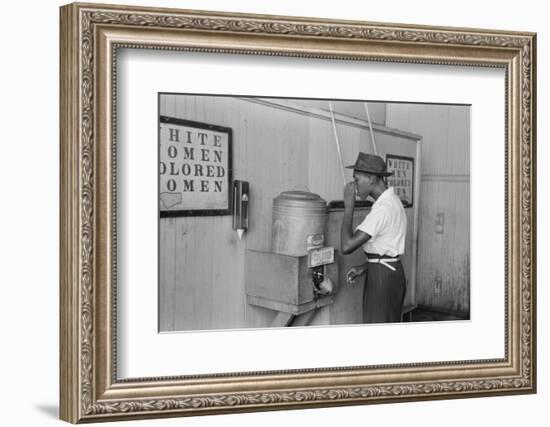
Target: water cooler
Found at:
x=299, y=274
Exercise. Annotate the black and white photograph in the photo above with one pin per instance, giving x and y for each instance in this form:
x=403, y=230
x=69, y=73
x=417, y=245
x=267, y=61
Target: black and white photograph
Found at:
x=275, y=213
x=292, y=212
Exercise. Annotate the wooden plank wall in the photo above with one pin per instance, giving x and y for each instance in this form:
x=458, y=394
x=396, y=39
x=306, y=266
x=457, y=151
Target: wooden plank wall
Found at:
x=443, y=279
x=201, y=258
x=207, y=271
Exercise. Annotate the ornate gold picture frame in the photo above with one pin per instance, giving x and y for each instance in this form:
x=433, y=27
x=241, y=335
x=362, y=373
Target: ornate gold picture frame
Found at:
x=90, y=388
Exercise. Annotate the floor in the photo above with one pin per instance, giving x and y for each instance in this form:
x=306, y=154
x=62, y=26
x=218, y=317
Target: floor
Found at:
x=426, y=315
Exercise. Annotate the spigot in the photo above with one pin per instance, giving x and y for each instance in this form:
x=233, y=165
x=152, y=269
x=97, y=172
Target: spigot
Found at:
x=322, y=285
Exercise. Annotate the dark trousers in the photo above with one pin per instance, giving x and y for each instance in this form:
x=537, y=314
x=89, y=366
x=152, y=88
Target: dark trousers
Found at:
x=384, y=293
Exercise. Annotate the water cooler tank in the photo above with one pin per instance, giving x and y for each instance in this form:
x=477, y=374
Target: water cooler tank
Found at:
x=299, y=223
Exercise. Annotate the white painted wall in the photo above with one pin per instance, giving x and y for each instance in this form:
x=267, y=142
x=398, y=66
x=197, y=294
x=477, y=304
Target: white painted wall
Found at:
x=443, y=278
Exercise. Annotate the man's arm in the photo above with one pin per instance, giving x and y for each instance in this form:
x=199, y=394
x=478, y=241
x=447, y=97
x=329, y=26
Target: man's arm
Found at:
x=349, y=241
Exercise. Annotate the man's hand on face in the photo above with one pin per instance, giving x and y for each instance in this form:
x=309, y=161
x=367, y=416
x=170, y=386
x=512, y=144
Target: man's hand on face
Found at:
x=350, y=191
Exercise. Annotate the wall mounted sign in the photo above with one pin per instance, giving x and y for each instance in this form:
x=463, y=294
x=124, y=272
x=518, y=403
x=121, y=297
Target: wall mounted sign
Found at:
x=402, y=179
x=194, y=168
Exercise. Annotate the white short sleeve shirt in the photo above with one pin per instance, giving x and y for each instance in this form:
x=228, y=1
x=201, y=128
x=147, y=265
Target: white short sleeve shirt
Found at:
x=386, y=223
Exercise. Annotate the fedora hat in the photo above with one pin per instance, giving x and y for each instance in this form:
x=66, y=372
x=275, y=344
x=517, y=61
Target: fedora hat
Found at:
x=370, y=163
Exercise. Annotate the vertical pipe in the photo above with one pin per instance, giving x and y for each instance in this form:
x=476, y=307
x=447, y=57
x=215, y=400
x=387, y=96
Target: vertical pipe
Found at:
x=417, y=181
x=370, y=128
x=337, y=141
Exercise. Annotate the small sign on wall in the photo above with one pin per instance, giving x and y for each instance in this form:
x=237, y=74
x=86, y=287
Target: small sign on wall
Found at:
x=194, y=168
x=402, y=179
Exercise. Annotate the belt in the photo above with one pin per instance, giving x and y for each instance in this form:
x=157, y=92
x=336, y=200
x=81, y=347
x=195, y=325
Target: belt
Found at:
x=384, y=261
